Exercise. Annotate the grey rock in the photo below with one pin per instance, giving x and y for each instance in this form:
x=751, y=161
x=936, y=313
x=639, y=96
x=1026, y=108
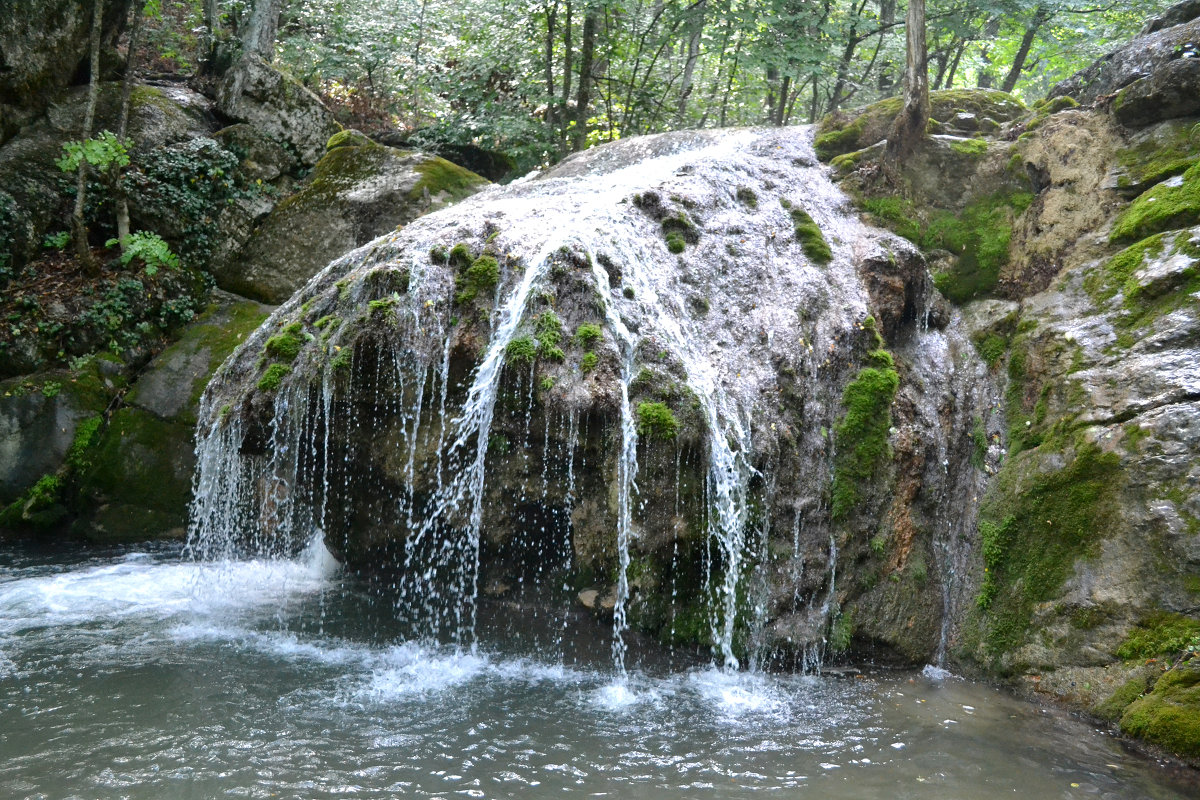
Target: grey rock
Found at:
x=253, y=92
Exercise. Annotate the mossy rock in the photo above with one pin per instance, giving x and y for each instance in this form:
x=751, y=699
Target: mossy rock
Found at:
x=1174, y=203
x=848, y=131
x=355, y=193
x=862, y=432
x=348, y=138
x=171, y=385
x=1169, y=715
x=1035, y=522
x=143, y=466
x=1158, y=153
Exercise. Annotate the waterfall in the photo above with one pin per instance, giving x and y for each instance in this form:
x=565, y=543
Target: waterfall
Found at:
x=467, y=406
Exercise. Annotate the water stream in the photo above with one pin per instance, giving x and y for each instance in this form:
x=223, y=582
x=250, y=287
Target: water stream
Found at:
x=127, y=674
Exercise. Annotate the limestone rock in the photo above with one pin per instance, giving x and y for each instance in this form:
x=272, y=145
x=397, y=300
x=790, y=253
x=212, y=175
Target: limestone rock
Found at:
x=253, y=92
x=1171, y=91
x=1140, y=59
x=356, y=192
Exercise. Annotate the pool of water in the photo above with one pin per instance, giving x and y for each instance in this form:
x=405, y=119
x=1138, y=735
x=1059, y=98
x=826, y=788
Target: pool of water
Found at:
x=140, y=675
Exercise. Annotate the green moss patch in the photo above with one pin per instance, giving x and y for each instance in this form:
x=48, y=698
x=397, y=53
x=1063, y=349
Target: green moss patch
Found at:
x=1034, y=525
x=1161, y=634
x=1145, y=303
x=440, y=176
x=348, y=138
x=979, y=236
x=521, y=351
x=973, y=148
x=656, y=422
x=808, y=233
x=1160, y=209
x=286, y=345
x=1172, y=150
x=1170, y=715
x=587, y=334
x=482, y=276
x=862, y=433
x=589, y=362
x=273, y=377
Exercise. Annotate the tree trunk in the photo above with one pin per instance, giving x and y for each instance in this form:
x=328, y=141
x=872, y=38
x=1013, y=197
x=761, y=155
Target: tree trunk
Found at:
x=568, y=56
x=261, y=28
x=79, y=232
x=583, y=98
x=119, y=193
x=887, y=18
x=551, y=19
x=986, y=77
x=909, y=127
x=693, y=55
x=1039, y=18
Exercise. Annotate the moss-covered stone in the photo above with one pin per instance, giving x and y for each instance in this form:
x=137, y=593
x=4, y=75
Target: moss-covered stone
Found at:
x=1161, y=634
x=979, y=236
x=286, y=345
x=587, y=334
x=846, y=132
x=809, y=234
x=520, y=352
x=273, y=377
x=1171, y=204
x=1113, y=707
x=482, y=276
x=348, y=138
x=862, y=433
x=1164, y=152
x=137, y=481
x=1034, y=524
x=1169, y=715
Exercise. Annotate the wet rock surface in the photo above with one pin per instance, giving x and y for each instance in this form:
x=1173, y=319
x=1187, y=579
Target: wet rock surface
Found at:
x=540, y=379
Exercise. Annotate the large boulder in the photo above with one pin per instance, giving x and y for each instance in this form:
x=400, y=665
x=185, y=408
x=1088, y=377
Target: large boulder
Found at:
x=38, y=59
x=1140, y=61
x=253, y=92
x=357, y=191
x=136, y=478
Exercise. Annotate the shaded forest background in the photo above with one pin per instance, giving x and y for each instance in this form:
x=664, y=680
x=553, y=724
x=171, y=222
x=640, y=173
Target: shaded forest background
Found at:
x=536, y=79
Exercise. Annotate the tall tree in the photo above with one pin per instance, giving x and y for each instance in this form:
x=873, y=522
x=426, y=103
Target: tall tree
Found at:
x=910, y=123
x=79, y=232
x=583, y=99
x=261, y=28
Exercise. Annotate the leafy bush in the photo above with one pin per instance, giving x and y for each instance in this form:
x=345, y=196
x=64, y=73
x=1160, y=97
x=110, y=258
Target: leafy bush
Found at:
x=149, y=247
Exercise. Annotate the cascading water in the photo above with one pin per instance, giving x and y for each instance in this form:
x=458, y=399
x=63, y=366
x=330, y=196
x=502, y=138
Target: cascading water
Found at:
x=659, y=296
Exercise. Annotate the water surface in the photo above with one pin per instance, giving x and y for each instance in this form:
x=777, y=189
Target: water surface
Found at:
x=140, y=675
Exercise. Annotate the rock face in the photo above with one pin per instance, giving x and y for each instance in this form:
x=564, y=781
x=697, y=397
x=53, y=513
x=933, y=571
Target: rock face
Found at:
x=37, y=60
x=138, y=479
x=1085, y=556
x=672, y=370
x=254, y=93
x=1137, y=61
x=357, y=191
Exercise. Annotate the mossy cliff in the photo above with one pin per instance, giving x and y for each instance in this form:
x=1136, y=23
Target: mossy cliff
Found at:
x=1069, y=239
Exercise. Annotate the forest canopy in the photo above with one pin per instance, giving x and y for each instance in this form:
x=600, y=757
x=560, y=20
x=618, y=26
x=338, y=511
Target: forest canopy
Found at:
x=536, y=79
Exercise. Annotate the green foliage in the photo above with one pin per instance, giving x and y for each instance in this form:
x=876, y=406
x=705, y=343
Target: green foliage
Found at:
x=549, y=330
x=587, y=334
x=56, y=241
x=676, y=243
x=149, y=247
x=746, y=196
x=841, y=632
x=498, y=443
x=808, y=233
x=991, y=347
x=342, y=359
x=629, y=292
x=973, y=148
x=273, y=377
x=39, y=507
x=862, y=433
x=589, y=362
x=521, y=351
x=189, y=183
x=656, y=422
x=1034, y=525
x=482, y=276
x=103, y=152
